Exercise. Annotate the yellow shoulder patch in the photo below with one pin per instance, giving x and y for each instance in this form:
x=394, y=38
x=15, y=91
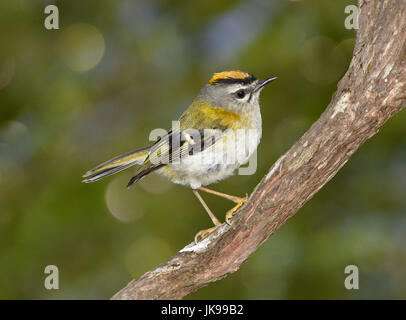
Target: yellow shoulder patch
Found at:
x=202, y=115
x=229, y=75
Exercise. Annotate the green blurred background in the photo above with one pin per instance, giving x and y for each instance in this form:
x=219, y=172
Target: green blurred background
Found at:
x=74, y=97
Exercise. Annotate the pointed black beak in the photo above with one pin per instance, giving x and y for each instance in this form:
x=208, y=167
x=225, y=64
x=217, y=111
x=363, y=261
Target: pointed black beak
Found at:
x=262, y=83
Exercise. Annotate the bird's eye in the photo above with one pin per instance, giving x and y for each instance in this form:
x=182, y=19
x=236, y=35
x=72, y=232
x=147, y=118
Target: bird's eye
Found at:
x=240, y=94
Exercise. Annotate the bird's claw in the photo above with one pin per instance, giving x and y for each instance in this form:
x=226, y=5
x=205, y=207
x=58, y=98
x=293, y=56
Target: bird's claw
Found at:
x=230, y=213
x=202, y=233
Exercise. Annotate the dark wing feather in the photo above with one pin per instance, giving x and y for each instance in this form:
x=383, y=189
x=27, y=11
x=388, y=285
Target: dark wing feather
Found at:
x=177, y=144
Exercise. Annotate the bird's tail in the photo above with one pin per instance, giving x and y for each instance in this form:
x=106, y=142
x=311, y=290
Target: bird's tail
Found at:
x=116, y=164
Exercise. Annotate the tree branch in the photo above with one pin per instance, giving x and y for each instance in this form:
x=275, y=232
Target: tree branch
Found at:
x=371, y=92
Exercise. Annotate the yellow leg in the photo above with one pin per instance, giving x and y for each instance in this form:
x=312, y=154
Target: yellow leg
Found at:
x=230, y=213
x=201, y=234
x=238, y=200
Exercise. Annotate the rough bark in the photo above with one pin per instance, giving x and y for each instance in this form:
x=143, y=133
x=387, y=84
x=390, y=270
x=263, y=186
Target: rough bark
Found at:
x=371, y=92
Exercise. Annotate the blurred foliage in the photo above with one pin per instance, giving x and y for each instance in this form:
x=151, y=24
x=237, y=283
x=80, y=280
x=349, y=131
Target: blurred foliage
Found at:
x=74, y=97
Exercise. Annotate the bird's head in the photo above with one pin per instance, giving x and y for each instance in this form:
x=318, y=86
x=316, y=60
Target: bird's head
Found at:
x=236, y=91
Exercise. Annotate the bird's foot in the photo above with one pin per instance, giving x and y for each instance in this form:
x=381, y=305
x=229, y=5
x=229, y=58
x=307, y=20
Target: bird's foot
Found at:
x=239, y=202
x=202, y=233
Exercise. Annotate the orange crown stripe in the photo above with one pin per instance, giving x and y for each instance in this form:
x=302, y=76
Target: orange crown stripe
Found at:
x=229, y=75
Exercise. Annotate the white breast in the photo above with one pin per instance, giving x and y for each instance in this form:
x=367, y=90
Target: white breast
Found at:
x=217, y=162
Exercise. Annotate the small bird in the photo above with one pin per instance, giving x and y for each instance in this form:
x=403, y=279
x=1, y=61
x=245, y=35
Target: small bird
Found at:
x=207, y=145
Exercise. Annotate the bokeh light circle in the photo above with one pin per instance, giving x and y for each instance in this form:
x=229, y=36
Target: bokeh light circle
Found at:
x=156, y=184
x=322, y=61
x=123, y=204
x=81, y=47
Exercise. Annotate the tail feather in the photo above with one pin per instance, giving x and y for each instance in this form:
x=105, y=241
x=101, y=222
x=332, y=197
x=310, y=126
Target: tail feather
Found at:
x=116, y=164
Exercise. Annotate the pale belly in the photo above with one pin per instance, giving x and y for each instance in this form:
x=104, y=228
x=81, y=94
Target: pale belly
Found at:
x=216, y=163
